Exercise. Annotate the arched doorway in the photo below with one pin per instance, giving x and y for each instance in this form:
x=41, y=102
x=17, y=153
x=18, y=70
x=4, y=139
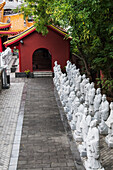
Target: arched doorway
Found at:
x=41, y=60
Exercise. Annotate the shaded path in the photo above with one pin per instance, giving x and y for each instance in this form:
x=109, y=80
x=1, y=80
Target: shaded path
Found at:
x=44, y=144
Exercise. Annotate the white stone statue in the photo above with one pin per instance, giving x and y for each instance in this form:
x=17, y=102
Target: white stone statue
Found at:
x=5, y=57
x=77, y=82
x=68, y=69
x=109, y=123
x=82, y=84
x=66, y=92
x=91, y=94
x=73, y=71
x=69, y=104
x=103, y=128
x=62, y=80
x=104, y=108
x=110, y=118
x=109, y=137
x=91, y=110
x=97, y=100
x=84, y=125
x=77, y=134
x=76, y=104
x=57, y=74
x=86, y=91
x=93, y=155
x=55, y=67
x=74, y=117
x=103, y=112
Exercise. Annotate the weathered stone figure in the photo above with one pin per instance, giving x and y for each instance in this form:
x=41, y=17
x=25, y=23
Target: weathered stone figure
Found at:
x=82, y=84
x=74, y=117
x=97, y=100
x=104, y=108
x=77, y=134
x=68, y=69
x=93, y=162
x=109, y=123
x=91, y=94
x=109, y=137
x=110, y=118
x=77, y=82
x=103, y=112
x=84, y=125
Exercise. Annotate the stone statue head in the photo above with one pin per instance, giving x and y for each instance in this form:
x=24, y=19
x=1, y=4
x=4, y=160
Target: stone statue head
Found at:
x=93, y=123
x=55, y=63
x=103, y=97
x=83, y=76
x=92, y=85
x=98, y=91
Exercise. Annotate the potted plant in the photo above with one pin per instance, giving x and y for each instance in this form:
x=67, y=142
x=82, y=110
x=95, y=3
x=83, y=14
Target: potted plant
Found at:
x=27, y=73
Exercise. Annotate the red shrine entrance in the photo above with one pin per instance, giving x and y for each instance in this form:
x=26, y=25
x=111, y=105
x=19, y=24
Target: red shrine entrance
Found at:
x=37, y=52
x=42, y=60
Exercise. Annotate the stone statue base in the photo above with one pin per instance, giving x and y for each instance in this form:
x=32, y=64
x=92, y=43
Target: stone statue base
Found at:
x=89, y=166
x=77, y=137
x=82, y=150
x=103, y=129
x=109, y=141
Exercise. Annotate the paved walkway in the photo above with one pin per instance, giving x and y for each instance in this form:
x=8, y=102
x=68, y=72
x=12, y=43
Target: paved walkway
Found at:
x=44, y=144
x=9, y=108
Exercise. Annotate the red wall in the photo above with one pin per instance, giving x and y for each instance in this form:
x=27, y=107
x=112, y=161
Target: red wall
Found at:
x=58, y=47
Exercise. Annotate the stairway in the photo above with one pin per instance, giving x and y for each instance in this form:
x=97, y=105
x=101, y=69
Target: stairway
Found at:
x=42, y=74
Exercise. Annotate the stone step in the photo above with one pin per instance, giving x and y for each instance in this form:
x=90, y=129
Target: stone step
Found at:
x=42, y=74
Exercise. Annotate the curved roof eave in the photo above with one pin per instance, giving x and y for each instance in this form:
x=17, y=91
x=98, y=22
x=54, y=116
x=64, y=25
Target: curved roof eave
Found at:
x=29, y=31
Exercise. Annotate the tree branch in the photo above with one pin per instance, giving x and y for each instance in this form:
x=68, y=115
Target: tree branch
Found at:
x=82, y=58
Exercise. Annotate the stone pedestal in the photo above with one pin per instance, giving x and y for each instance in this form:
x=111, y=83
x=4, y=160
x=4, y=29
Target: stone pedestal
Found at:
x=109, y=141
x=89, y=167
x=77, y=137
x=82, y=150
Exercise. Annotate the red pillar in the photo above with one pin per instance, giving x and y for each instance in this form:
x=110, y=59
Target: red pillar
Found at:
x=19, y=57
x=1, y=44
x=12, y=50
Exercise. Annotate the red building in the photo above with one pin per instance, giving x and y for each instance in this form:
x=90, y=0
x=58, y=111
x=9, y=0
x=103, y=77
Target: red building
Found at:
x=37, y=52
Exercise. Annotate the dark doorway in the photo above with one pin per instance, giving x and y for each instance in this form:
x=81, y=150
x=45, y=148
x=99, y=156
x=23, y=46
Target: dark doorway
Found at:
x=42, y=60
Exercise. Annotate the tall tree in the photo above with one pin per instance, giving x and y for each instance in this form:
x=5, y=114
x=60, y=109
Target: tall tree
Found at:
x=89, y=22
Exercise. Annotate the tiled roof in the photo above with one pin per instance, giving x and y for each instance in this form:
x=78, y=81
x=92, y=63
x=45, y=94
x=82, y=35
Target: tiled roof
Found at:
x=2, y=4
x=8, y=32
x=4, y=25
x=20, y=36
x=30, y=30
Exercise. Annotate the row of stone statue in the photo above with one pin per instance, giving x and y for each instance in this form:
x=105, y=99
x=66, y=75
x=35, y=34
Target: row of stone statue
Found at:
x=5, y=57
x=87, y=111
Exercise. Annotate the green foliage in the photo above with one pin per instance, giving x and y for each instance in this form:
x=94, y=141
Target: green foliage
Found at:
x=107, y=84
x=27, y=71
x=89, y=22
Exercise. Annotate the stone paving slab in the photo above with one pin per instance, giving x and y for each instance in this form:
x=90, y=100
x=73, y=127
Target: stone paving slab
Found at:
x=106, y=154
x=44, y=143
x=9, y=107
